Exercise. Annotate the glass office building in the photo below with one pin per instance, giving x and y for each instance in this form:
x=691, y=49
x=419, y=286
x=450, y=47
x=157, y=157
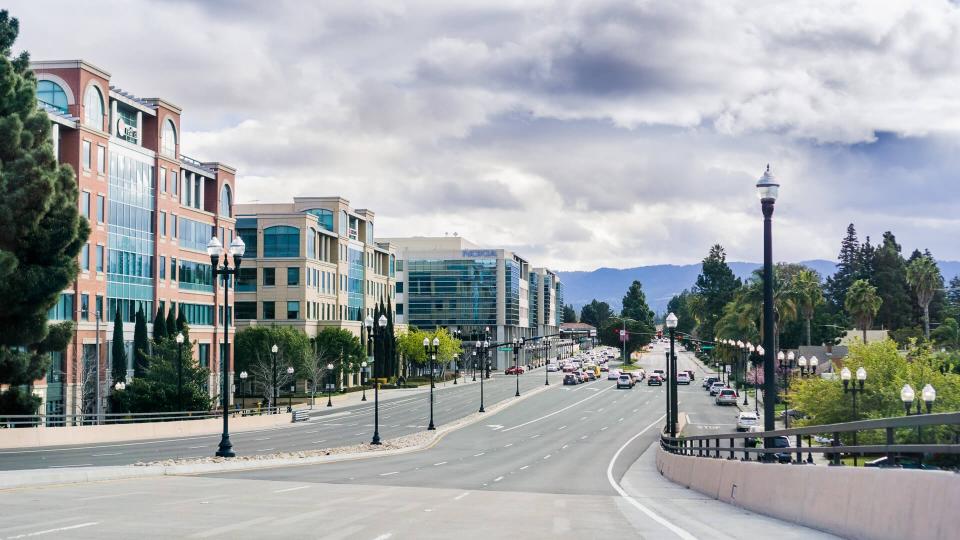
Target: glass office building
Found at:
x=451, y=292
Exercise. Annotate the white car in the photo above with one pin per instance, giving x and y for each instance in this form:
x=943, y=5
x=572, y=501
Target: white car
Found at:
x=716, y=387
x=727, y=396
x=613, y=374
x=683, y=378
x=747, y=420
x=553, y=368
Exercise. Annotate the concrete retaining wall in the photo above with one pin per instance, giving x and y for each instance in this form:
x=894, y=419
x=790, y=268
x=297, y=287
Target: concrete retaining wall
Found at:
x=67, y=435
x=850, y=502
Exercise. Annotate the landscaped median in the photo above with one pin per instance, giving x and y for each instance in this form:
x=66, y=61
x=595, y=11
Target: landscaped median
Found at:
x=400, y=445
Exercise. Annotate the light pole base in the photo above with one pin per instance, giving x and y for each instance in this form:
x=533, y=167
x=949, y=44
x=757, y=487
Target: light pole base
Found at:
x=364, y=398
x=431, y=427
x=225, y=449
x=481, y=409
x=376, y=439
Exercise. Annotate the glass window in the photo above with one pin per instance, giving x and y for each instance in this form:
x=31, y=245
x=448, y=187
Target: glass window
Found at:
x=226, y=202
x=293, y=276
x=312, y=243
x=173, y=268
x=85, y=257
x=246, y=310
x=324, y=217
x=162, y=177
x=100, y=204
x=281, y=241
x=293, y=310
x=85, y=204
x=99, y=308
x=168, y=139
x=85, y=307
x=399, y=286
x=399, y=309
x=343, y=223
x=101, y=159
x=52, y=94
x=163, y=267
x=99, y=258
x=247, y=231
x=86, y=155
x=93, y=108
x=269, y=311
x=196, y=276
x=173, y=182
x=63, y=309
x=163, y=223
x=269, y=277
x=247, y=281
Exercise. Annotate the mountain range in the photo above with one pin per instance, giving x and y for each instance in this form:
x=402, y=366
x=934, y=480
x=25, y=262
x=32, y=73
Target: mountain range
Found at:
x=661, y=282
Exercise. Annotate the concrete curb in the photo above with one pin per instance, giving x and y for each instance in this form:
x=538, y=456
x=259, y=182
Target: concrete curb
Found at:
x=10, y=480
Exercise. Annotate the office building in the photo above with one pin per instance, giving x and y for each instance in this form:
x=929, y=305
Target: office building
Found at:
x=151, y=210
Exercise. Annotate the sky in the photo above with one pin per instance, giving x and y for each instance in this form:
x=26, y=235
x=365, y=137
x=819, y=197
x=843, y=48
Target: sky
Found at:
x=580, y=134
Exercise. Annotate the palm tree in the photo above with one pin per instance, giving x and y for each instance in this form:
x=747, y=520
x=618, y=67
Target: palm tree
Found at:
x=862, y=303
x=924, y=276
x=784, y=303
x=806, y=290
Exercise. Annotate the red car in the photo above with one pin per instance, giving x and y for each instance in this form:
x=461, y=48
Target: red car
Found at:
x=514, y=370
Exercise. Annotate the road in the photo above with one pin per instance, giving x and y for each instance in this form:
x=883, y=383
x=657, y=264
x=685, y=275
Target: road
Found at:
x=570, y=462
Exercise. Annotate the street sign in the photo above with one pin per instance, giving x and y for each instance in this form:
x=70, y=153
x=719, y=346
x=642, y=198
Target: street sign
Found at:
x=507, y=348
x=706, y=348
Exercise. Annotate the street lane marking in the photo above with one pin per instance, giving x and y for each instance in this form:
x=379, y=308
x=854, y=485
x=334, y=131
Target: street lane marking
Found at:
x=535, y=436
x=508, y=445
x=564, y=447
x=620, y=419
x=583, y=437
x=650, y=513
x=196, y=447
x=58, y=529
x=383, y=536
x=604, y=428
x=68, y=466
x=547, y=456
x=264, y=449
x=107, y=454
x=318, y=442
x=480, y=454
x=262, y=439
x=524, y=467
x=389, y=473
x=497, y=479
x=439, y=464
x=561, y=427
x=460, y=496
x=298, y=488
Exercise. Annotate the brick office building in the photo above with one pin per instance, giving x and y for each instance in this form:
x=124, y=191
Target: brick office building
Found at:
x=151, y=210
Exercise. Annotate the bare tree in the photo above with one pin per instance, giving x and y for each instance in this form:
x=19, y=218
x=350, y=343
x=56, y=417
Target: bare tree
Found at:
x=315, y=369
x=264, y=372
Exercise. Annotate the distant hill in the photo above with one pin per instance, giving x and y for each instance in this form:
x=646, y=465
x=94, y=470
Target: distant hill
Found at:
x=661, y=282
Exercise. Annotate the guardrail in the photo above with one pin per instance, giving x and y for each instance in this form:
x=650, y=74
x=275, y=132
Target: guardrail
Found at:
x=300, y=415
x=710, y=445
x=67, y=420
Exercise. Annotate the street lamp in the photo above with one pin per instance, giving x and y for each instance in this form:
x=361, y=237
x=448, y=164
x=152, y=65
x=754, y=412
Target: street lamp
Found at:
x=120, y=386
x=474, y=355
x=363, y=381
x=456, y=361
x=368, y=325
x=292, y=389
x=671, y=322
x=179, y=340
x=432, y=353
x=748, y=352
x=929, y=395
x=484, y=348
x=546, y=373
x=853, y=390
x=767, y=189
x=485, y=371
x=756, y=384
x=517, y=345
x=786, y=365
x=273, y=357
x=330, y=385
x=243, y=390
x=215, y=251
x=382, y=325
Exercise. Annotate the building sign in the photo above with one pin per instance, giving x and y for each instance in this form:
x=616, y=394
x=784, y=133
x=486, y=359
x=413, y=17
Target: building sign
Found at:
x=123, y=130
x=472, y=253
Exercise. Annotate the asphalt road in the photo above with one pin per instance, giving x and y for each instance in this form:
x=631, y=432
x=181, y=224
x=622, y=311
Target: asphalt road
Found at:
x=328, y=428
x=571, y=462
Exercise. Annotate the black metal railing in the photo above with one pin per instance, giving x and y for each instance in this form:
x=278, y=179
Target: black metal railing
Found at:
x=92, y=419
x=880, y=436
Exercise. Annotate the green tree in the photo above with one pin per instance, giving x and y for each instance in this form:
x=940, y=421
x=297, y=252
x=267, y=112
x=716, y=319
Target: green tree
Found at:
x=849, y=269
x=119, y=370
x=159, y=326
x=716, y=286
x=947, y=335
x=569, y=314
x=182, y=324
x=680, y=305
x=410, y=345
x=41, y=231
x=157, y=391
x=253, y=354
x=595, y=313
x=635, y=305
x=784, y=302
x=390, y=345
x=171, y=324
x=924, y=277
x=808, y=294
x=889, y=276
x=639, y=333
x=862, y=304
x=141, y=345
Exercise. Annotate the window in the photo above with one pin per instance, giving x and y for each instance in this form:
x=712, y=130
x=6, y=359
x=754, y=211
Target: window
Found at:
x=173, y=268
x=93, y=108
x=85, y=258
x=99, y=307
x=99, y=258
x=196, y=276
x=86, y=155
x=312, y=243
x=63, y=309
x=399, y=309
x=85, y=307
x=85, y=204
x=173, y=182
x=52, y=94
x=100, y=205
x=281, y=241
x=293, y=276
x=247, y=231
x=293, y=310
x=101, y=159
x=226, y=202
x=163, y=223
x=399, y=265
x=399, y=286
x=168, y=139
x=194, y=234
x=163, y=179
x=173, y=233
x=269, y=277
x=246, y=310
x=269, y=311
x=343, y=223
x=163, y=267
x=324, y=217
x=247, y=282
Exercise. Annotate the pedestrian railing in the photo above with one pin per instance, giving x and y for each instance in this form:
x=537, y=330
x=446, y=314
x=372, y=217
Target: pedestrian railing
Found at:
x=880, y=438
x=92, y=419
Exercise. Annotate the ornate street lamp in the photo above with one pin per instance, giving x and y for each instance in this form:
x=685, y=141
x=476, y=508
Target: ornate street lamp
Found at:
x=671, y=322
x=273, y=373
x=243, y=389
x=854, y=390
x=179, y=340
x=517, y=346
x=215, y=251
x=767, y=189
x=293, y=387
x=456, y=361
x=330, y=385
x=432, y=354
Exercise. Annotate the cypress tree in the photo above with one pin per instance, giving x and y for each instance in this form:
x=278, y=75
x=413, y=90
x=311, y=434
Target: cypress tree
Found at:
x=171, y=325
x=159, y=326
x=889, y=276
x=141, y=345
x=182, y=323
x=41, y=230
x=848, y=270
x=119, y=370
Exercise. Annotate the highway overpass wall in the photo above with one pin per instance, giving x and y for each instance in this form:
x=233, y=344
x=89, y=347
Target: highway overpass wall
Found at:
x=862, y=503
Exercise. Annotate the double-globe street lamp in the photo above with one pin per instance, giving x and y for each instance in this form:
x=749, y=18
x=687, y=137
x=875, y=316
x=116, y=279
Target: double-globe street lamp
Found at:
x=756, y=384
x=928, y=395
x=456, y=361
x=293, y=389
x=808, y=367
x=330, y=384
x=484, y=349
x=179, y=340
x=431, y=350
x=786, y=362
x=363, y=380
x=215, y=251
x=243, y=390
x=273, y=359
x=767, y=189
x=853, y=389
x=381, y=324
x=517, y=346
x=671, y=322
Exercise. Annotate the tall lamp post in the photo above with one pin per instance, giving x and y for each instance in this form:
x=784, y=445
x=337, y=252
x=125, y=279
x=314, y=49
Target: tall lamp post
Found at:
x=768, y=188
x=243, y=389
x=517, y=345
x=179, y=340
x=293, y=388
x=928, y=395
x=330, y=385
x=756, y=384
x=381, y=324
x=215, y=251
x=546, y=373
x=483, y=347
x=456, y=361
x=854, y=390
x=431, y=350
x=485, y=372
x=671, y=322
x=363, y=380
x=273, y=371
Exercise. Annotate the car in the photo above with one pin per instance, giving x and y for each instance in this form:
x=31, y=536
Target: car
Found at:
x=553, y=368
x=613, y=374
x=570, y=378
x=568, y=368
x=603, y=367
x=727, y=396
x=625, y=381
x=590, y=375
x=654, y=380
x=683, y=378
x=690, y=373
x=793, y=414
x=782, y=441
x=514, y=370
x=641, y=374
x=746, y=420
x=661, y=373
x=716, y=387
x=709, y=381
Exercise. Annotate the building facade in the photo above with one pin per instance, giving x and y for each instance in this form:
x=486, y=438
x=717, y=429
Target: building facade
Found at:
x=311, y=264
x=151, y=210
x=453, y=283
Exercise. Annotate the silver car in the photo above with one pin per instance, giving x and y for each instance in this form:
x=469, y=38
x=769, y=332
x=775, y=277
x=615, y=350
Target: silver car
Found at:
x=726, y=396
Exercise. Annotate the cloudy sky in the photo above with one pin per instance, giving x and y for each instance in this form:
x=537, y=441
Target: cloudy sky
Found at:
x=580, y=133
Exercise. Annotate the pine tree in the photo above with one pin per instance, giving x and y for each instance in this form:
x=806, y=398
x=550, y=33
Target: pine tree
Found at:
x=569, y=314
x=635, y=305
x=182, y=324
x=159, y=326
x=848, y=270
x=889, y=276
x=41, y=231
x=716, y=286
x=119, y=370
x=171, y=325
x=141, y=344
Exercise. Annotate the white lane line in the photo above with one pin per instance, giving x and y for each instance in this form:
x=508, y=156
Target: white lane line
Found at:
x=263, y=439
x=318, y=442
x=564, y=447
x=497, y=479
x=547, y=456
x=558, y=411
x=439, y=464
x=58, y=529
x=524, y=467
x=313, y=431
x=68, y=466
x=561, y=427
x=264, y=449
x=460, y=496
x=298, y=488
x=650, y=513
x=384, y=536
x=107, y=454
x=389, y=473
x=196, y=447
x=583, y=437
x=480, y=454
x=604, y=428
x=635, y=410
x=600, y=409
x=620, y=419
x=535, y=436
x=508, y=445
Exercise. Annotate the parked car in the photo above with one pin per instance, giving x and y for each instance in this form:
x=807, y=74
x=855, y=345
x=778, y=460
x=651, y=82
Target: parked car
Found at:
x=625, y=381
x=794, y=414
x=683, y=378
x=902, y=462
x=782, y=441
x=514, y=370
x=746, y=420
x=613, y=374
x=654, y=379
x=716, y=387
x=727, y=396
x=571, y=378
x=709, y=381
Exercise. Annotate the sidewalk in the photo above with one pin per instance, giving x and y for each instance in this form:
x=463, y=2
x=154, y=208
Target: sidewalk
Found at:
x=386, y=394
